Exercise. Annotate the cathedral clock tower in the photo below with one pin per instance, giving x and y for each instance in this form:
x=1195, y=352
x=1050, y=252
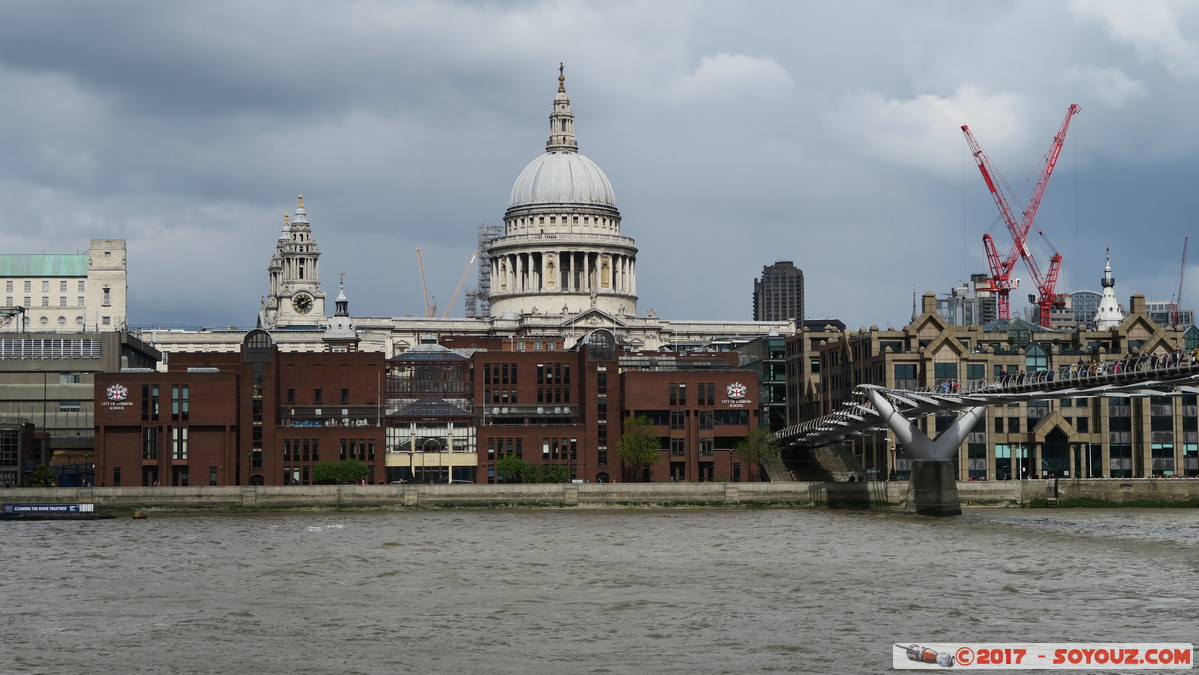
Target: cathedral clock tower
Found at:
x=295, y=297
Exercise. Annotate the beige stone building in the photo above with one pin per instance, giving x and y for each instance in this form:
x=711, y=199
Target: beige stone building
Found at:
x=65, y=292
x=1110, y=437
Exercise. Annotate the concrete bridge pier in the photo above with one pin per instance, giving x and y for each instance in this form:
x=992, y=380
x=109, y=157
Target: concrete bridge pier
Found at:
x=933, y=489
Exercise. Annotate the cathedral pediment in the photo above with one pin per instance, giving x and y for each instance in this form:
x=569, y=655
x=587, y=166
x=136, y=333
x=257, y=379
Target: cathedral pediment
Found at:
x=592, y=317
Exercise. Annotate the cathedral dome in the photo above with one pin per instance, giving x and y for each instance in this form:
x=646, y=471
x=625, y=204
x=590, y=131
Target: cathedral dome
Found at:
x=562, y=177
x=562, y=249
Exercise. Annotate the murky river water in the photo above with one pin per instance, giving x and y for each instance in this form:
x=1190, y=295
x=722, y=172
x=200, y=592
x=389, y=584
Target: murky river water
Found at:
x=545, y=591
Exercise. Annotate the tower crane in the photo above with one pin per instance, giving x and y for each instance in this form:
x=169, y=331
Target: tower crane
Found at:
x=1176, y=305
x=1000, y=281
x=461, y=283
x=430, y=310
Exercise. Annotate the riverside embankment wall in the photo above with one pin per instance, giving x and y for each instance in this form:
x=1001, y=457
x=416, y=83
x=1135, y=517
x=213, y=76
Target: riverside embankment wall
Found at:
x=326, y=496
x=594, y=495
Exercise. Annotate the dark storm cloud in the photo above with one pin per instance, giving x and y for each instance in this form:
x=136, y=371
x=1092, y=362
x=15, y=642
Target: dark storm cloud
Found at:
x=735, y=134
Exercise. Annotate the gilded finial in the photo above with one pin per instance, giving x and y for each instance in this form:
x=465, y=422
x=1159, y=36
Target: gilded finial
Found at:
x=285, y=219
x=301, y=201
x=561, y=78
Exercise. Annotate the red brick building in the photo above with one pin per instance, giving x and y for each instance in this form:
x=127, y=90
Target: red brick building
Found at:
x=566, y=408
x=701, y=408
x=437, y=413
x=254, y=417
x=533, y=404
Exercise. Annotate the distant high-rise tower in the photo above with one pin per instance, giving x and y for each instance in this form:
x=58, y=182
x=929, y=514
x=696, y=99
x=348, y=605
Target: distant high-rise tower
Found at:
x=778, y=295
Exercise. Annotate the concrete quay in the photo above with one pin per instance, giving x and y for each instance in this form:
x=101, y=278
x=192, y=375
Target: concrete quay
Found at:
x=1020, y=493
x=607, y=495
x=593, y=495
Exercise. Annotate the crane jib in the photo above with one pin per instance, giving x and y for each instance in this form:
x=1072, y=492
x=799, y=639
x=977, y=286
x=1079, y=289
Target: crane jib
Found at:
x=1019, y=231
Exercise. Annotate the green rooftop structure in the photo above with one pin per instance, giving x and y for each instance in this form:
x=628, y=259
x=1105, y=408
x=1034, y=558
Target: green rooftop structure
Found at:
x=43, y=265
x=64, y=292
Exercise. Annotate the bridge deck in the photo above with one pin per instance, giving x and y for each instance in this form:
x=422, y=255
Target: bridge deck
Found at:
x=1144, y=376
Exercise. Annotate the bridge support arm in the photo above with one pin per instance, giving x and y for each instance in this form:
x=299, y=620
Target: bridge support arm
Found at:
x=952, y=438
x=918, y=443
x=905, y=430
x=932, y=488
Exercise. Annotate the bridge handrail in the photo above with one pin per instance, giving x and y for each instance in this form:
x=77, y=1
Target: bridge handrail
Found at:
x=1078, y=371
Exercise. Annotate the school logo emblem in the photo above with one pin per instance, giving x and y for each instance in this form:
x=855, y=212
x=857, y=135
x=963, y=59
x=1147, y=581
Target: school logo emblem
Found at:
x=117, y=393
x=736, y=391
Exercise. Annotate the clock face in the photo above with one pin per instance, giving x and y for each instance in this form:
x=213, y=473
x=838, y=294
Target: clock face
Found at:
x=302, y=302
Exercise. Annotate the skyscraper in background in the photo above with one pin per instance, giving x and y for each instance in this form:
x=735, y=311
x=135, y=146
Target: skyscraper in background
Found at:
x=778, y=295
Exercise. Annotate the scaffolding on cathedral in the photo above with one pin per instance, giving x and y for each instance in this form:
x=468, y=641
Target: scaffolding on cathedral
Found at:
x=477, y=303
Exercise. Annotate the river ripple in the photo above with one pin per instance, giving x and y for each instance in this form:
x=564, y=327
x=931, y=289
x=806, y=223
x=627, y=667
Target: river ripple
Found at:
x=582, y=591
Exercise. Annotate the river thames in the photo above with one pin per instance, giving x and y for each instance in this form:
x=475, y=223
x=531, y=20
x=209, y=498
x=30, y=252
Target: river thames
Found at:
x=582, y=591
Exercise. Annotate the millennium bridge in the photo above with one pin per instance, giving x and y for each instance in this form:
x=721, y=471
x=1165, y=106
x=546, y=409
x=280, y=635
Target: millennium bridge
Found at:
x=932, y=489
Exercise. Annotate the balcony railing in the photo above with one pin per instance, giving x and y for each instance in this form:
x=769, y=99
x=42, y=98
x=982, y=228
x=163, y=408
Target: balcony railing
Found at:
x=329, y=416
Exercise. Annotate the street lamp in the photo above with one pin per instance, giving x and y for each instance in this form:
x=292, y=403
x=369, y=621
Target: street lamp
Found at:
x=890, y=449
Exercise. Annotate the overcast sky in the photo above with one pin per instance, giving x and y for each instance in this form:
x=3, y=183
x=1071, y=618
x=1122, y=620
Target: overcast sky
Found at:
x=735, y=134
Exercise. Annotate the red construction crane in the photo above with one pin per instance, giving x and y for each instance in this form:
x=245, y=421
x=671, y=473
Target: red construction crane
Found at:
x=1000, y=281
x=1176, y=306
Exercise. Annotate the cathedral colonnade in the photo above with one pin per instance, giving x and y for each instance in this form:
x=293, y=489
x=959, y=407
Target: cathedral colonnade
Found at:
x=559, y=271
